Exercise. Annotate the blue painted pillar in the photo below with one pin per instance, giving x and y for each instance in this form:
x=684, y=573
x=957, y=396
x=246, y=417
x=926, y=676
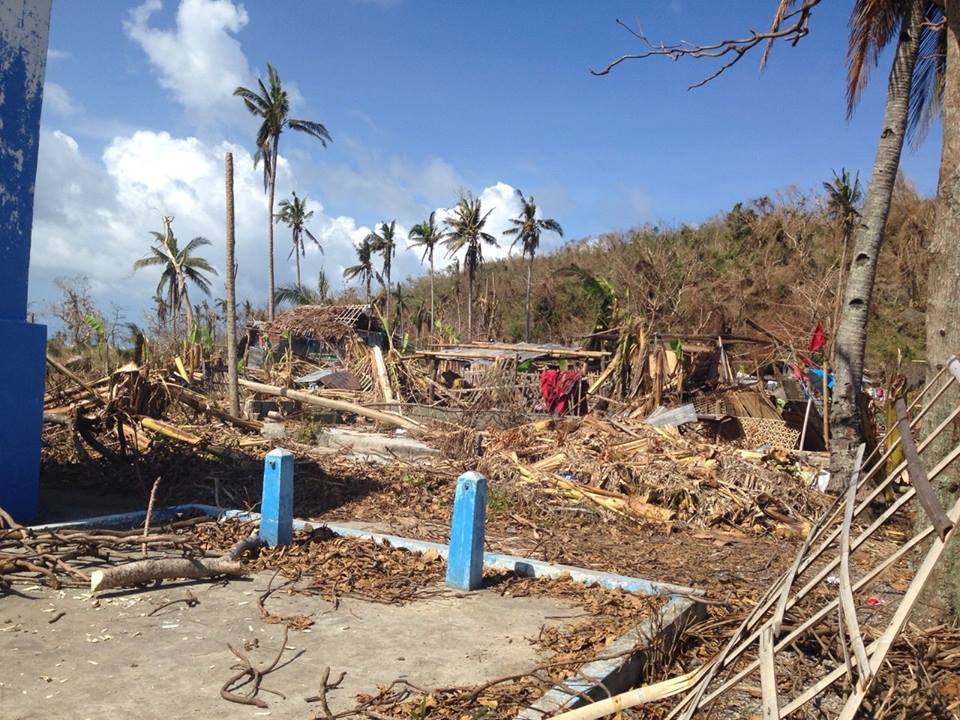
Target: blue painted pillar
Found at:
x=465, y=559
x=276, y=503
x=24, y=26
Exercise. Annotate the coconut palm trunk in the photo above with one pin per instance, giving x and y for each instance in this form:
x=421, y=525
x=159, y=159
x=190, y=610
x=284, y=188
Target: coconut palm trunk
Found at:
x=470, y=280
x=296, y=252
x=386, y=272
x=851, y=334
x=233, y=388
x=272, y=192
x=191, y=321
x=433, y=307
x=459, y=314
x=845, y=244
x=943, y=316
x=526, y=302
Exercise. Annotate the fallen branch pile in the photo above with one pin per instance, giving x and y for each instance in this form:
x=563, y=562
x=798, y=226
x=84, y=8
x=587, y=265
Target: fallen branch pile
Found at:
x=333, y=566
x=60, y=557
x=654, y=474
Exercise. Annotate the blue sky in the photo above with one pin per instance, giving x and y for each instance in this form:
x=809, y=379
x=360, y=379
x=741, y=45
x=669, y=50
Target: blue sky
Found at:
x=423, y=98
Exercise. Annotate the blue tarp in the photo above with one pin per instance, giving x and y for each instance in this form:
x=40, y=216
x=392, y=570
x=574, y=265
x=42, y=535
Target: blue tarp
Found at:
x=816, y=378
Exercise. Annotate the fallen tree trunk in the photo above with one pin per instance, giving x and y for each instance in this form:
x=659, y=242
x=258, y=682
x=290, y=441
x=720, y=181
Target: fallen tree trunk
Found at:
x=180, y=435
x=203, y=404
x=66, y=372
x=162, y=569
x=387, y=418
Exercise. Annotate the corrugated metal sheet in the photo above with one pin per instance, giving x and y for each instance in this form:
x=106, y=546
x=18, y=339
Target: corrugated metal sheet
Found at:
x=330, y=378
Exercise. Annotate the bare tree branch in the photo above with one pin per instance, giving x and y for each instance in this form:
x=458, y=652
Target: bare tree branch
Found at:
x=730, y=50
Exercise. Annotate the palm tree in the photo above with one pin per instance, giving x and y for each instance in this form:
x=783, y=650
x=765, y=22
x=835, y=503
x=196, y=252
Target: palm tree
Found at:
x=466, y=233
x=401, y=300
x=180, y=265
x=294, y=214
x=526, y=231
x=385, y=243
x=873, y=26
x=939, y=90
x=426, y=235
x=453, y=269
x=843, y=206
x=272, y=105
x=364, y=267
x=299, y=295
x=323, y=286
x=137, y=338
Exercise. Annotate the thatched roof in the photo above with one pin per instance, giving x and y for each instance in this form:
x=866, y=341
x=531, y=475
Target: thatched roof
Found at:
x=324, y=322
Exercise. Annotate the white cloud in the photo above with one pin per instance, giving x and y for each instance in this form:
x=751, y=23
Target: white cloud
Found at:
x=505, y=204
x=388, y=186
x=57, y=99
x=93, y=216
x=199, y=60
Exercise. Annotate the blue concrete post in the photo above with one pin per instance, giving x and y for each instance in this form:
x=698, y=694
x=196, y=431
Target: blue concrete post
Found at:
x=24, y=26
x=276, y=503
x=465, y=559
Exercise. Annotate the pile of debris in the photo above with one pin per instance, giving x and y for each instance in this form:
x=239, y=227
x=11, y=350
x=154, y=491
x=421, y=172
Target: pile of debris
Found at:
x=656, y=474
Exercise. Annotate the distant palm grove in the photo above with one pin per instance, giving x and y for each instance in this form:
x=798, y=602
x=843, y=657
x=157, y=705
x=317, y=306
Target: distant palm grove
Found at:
x=699, y=279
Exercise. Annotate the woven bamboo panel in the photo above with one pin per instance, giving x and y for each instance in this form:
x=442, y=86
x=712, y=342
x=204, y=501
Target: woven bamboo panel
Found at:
x=359, y=363
x=709, y=405
x=767, y=431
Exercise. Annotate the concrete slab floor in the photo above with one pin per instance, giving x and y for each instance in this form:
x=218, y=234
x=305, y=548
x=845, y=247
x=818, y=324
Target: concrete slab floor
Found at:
x=107, y=659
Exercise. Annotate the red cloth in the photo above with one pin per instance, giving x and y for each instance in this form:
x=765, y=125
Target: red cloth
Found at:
x=819, y=338
x=556, y=387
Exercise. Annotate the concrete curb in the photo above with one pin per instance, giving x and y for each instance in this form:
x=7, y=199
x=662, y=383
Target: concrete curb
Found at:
x=596, y=680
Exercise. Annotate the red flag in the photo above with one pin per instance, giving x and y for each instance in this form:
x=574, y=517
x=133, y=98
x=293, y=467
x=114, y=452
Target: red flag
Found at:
x=819, y=338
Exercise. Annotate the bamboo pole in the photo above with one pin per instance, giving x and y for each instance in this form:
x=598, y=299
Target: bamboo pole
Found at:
x=826, y=406
x=631, y=698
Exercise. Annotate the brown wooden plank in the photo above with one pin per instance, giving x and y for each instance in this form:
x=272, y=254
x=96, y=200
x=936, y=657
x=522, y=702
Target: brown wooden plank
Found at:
x=768, y=676
x=918, y=476
x=849, y=608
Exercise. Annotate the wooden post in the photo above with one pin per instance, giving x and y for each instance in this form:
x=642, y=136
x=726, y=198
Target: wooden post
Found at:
x=806, y=420
x=233, y=389
x=380, y=370
x=826, y=406
x=918, y=476
x=276, y=504
x=465, y=559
